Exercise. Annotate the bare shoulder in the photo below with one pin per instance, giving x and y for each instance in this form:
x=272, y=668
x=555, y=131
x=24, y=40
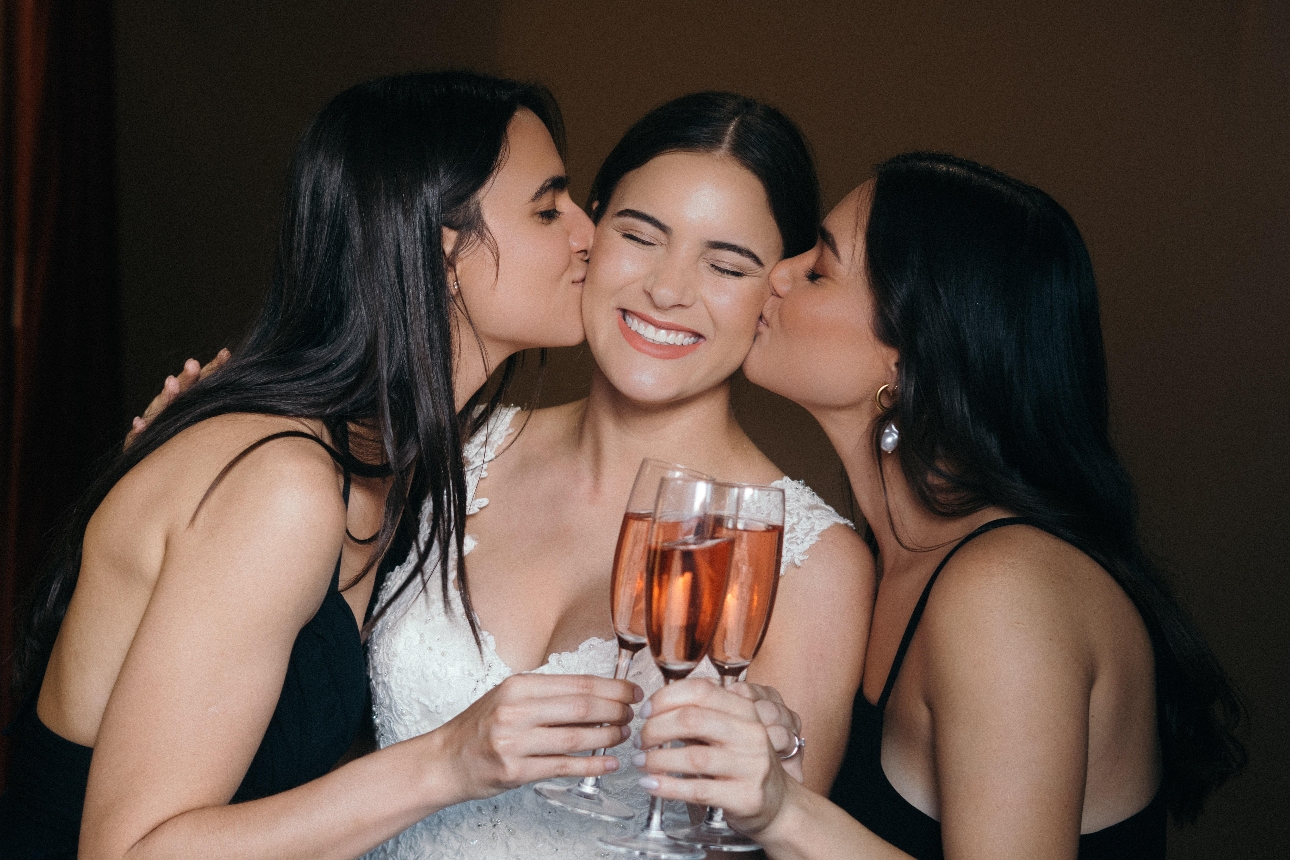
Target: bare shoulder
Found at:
x=291, y=483
x=841, y=555
x=1015, y=596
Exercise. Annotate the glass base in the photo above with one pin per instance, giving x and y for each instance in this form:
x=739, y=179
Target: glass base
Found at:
x=592, y=802
x=648, y=843
x=714, y=837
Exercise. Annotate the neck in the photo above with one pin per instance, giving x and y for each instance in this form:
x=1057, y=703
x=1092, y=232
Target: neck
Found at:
x=909, y=535
x=614, y=433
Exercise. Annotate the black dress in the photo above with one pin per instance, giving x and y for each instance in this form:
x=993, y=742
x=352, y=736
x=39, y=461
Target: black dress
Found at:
x=863, y=790
x=318, y=715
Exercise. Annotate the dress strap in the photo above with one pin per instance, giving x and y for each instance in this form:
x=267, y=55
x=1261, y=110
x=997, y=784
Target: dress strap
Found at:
x=917, y=614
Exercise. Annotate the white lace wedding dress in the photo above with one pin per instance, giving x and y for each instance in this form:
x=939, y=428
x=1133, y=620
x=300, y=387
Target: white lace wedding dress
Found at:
x=426, y=670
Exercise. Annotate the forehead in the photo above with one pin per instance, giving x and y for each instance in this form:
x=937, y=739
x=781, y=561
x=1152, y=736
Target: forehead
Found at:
x=531, y=155
x=848, y=221
x=697, y=187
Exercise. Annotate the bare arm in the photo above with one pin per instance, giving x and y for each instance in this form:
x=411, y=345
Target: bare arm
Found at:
x=814, y=650
x=205, y=669
x=1008, y=682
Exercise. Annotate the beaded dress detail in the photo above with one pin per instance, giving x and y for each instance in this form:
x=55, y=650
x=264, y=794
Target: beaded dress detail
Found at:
x=425, y=670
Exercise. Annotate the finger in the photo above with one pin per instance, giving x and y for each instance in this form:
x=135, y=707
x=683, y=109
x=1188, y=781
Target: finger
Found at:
x=756, y=692
x=547, y=767
x=532, y=685
x=137, y=426
x=697, y=692
x=189, y=373
x=700, y=792
x=564, y=740
x=710, y=726
x=221, y=358
x=703, y=760
x=568, y=710
x=774, y=714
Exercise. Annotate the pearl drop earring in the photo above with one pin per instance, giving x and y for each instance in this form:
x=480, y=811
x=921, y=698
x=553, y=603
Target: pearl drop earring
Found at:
x=890, y=437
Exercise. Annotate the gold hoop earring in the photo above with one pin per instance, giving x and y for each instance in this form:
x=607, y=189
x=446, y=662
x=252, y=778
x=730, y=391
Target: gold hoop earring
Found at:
x=877, y=397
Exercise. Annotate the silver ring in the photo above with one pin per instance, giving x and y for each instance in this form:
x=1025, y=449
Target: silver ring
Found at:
x=799, y=744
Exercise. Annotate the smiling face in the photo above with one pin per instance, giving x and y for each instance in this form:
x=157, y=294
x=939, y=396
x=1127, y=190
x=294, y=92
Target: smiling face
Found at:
x=529, y=294
x=680, y=273
x=815, y=342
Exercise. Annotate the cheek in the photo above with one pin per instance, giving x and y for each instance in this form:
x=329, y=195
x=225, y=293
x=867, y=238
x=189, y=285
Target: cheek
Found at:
x=823, y=352
x=735, y=307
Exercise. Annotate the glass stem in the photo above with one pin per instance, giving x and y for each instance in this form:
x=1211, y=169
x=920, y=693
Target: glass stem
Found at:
x=654, y=826
x=590, y=785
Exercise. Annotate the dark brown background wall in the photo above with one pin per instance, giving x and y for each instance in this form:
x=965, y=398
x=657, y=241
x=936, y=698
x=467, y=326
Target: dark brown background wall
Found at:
x=1164, y=127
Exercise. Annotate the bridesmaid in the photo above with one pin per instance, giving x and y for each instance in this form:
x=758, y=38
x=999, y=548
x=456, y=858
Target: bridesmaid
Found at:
x=195, y=671
x=1030, y=688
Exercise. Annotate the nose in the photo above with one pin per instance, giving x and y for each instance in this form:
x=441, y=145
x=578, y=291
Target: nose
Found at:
x=673, y=284
x=581, y=231
x=781, y=277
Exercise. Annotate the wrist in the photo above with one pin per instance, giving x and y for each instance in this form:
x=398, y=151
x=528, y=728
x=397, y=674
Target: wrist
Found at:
x=781, y=832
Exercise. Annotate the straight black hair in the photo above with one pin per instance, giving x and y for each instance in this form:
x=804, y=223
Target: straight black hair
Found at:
x=357, y=329
x=984, y=287
x=758, y=136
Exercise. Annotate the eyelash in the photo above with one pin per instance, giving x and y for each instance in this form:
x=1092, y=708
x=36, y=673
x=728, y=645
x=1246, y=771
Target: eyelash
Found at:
x=548, y=216
x=812, y=276
x=639, y=240
x=730, y=273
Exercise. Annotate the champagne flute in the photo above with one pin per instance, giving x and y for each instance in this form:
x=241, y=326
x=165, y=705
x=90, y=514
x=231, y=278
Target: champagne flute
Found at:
x=685, y=583
x=758, y=533
x=627, y=606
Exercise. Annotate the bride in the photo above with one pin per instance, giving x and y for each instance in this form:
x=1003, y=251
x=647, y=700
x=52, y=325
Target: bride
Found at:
x=693, y=207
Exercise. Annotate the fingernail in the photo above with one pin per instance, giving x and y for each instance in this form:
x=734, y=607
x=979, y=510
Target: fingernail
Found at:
x=648, y=783
x=636, y=742
x=611, y=763
x=137, y=423
x=647, y=709
x=627, y=732
x=640, y=694
x=638, y=759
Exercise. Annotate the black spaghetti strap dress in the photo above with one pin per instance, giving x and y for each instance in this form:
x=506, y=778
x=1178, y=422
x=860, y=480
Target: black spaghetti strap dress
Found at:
x=863, y=790
x=319, y=712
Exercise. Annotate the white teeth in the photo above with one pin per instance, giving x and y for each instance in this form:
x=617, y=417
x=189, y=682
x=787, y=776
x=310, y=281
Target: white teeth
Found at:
x=659, y=335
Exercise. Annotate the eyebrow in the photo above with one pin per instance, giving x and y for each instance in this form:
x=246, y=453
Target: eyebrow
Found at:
x=554, y=183
x=641, y=216
x=829, y=242
x=667, y=231
x=736, y=249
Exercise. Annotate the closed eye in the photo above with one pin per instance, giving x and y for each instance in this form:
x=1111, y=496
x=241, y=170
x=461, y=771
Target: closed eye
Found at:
x=812, y=276
x=637, y=238
x=549, y=216
x=729, y=273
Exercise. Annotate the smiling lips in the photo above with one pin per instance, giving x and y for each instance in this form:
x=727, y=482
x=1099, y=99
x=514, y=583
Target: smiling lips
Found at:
x=654, y=339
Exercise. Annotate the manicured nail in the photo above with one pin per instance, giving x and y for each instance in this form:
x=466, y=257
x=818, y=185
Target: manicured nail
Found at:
x=638, y=759
x=648, y=783
x=137, y=423
x=627, y=731
x=611, y=763
x=636, y=742
x=646, y=709
x=640, y=694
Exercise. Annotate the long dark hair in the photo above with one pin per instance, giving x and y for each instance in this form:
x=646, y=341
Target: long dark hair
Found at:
x=357, y=328
x=758, y=136
x=985, y=288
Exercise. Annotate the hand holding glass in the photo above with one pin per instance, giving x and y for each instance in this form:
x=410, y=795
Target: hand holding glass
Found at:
x=627, y=606
x=688, y=564
x=758, y=534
